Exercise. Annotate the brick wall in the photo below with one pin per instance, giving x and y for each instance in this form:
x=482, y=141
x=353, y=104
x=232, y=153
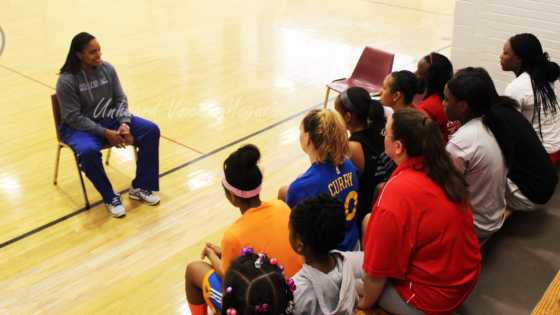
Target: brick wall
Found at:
x=481, y=28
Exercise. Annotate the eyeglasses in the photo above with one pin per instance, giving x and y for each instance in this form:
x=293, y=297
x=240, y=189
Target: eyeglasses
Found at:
x=384, y=134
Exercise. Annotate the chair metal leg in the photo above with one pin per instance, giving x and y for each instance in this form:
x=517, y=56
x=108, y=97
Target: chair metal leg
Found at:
x=82, y=181
x=58, y=148
x=327, y=98
x=108, y=156
x=135, y=153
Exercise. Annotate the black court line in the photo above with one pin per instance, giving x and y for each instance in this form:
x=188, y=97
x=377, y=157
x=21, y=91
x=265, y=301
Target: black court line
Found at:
x=240, y=140
x=403, y=7
x=3, y=41
x=66, y=217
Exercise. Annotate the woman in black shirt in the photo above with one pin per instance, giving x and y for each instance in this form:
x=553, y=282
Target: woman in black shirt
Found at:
x=531, y=179
x=365, y=119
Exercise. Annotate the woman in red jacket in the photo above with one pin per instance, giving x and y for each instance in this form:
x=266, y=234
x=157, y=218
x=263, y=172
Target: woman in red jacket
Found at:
x=436, y=69
x=421, y=254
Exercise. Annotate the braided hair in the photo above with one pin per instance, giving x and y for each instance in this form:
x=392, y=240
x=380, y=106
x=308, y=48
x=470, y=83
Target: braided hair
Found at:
x=252, y=286
x=542, y=71
x=320, y=222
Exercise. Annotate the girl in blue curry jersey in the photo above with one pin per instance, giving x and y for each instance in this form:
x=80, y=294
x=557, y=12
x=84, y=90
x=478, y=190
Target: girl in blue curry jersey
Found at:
x=323, y=137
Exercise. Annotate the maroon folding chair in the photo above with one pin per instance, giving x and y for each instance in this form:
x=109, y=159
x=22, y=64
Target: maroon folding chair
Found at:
x=418, y=98
x=370, y=71
x=61, y=144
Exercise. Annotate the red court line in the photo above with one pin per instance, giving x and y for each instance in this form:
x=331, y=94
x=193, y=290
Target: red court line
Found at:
x=23, y=75
x=182, y=144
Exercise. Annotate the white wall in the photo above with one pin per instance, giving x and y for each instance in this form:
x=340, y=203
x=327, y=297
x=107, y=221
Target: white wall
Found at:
x=482, y=27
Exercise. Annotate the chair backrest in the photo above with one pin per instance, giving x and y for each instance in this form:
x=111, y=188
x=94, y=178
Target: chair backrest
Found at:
x=418, y=98
x=373, y=66
x=56, y=114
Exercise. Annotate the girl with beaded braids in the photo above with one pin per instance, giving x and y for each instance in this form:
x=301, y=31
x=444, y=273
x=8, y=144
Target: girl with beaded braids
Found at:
x=533, y=87
x=482, y=149
x=254, y=284
x=262, y=225
x=324, y=139
x=364, y=119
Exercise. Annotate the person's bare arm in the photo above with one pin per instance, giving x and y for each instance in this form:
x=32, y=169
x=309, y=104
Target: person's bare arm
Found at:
x=214, y=253
x=357, y=157
x=372, y=290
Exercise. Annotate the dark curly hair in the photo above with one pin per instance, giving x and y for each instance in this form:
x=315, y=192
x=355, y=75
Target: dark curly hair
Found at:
x=320, y=222
x=253, y=286
x=241, y=169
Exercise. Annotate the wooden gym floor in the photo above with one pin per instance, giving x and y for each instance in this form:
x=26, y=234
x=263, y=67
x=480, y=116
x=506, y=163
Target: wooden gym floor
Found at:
x=181, y=63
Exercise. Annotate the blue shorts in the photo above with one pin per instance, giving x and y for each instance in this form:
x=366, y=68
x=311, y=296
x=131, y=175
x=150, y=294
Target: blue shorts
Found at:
x=212, y=291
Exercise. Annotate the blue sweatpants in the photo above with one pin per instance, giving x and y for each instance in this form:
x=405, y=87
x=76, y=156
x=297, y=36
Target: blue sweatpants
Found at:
x=88, y=147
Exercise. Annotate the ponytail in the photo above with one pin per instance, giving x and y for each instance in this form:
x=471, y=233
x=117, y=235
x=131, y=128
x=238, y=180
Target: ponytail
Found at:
x=357, y=101
x=377, y=121
x=408, y=84
x=496, y=123
x=420, y=136
x=543, y=75
x=327, y=131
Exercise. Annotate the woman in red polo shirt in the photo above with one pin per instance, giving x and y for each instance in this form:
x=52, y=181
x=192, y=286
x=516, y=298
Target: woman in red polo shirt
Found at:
x=421, y=254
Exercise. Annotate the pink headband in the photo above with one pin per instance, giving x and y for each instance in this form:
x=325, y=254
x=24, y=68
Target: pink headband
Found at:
x=240, y=193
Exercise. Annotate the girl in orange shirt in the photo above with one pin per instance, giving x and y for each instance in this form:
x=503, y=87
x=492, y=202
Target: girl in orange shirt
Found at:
x=262, y=228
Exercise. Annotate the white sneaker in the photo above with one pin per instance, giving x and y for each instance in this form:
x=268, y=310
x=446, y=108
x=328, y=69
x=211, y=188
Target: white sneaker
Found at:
x=147, y=196
x=116, y=207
